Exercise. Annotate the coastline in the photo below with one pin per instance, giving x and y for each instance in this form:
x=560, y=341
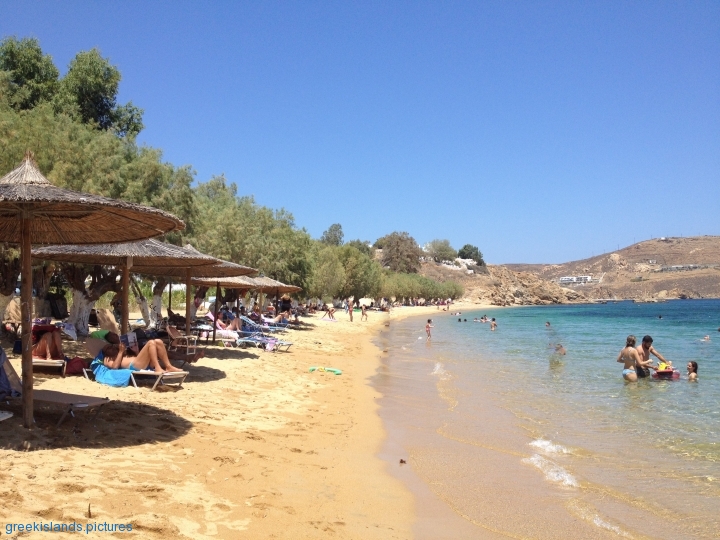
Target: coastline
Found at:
x=252, y=446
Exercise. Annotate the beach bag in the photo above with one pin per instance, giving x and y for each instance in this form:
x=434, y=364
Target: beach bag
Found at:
x=75, y=366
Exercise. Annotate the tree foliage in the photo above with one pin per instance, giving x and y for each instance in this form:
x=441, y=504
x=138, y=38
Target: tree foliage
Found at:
x=440, y=250
x=30, y=76
x=401, y=252
x=363, y=247
x=328, y=273
x=404, y=286
x=468, y=251
x=333, y=236
x=362, y=274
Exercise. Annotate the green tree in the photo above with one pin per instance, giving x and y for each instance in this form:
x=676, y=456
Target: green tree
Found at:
x=362, y=274
x=333, y=236
x=401, y=252
x=89, y=91
x=31, y=76
x=440, y=250
x=468, y=251
x=328, y=273
x=362, y=246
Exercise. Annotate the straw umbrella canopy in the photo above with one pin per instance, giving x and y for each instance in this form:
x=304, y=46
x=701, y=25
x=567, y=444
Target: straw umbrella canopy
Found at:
x=33, y=211
x=259, y=283
x=221, y=269
x=147, y=253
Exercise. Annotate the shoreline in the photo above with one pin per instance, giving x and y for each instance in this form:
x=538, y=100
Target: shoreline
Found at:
x=252, y=446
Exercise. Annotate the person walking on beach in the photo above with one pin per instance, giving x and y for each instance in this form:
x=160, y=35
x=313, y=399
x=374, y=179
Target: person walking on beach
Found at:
x=350, y=309
x=645, y=350
x=630, y=357
x=363, y=310
x=428, y=326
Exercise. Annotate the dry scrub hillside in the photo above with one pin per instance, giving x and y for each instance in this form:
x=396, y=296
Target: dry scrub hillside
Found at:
x=635, y=271
x=504, y=287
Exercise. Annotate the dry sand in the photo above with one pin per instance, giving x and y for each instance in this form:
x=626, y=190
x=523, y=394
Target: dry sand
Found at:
x=252, y=446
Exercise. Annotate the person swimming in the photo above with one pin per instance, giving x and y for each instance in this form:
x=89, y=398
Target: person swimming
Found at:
x=692, y=369
x=630, y=357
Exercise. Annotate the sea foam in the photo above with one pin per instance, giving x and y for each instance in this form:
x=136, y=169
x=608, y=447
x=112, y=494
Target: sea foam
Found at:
x=553, y=471
x=548, y=447
x=439, y=370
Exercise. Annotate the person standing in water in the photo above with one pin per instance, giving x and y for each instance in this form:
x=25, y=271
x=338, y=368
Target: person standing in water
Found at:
x=645, y=350
x=692, y=368
x=493, y=324
x=428, y=326
x=631, y=358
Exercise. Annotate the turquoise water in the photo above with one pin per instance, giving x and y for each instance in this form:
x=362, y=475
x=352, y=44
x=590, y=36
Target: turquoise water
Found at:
x=634, y=460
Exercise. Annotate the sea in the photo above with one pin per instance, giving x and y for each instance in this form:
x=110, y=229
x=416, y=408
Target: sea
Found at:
x=503, y=437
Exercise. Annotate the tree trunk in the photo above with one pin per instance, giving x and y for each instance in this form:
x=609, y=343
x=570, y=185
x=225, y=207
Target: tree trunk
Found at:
x=156, y=304
x=80, y=312
x=5, y=300
x=141, y=302
x=200, y=293
x=41, y=283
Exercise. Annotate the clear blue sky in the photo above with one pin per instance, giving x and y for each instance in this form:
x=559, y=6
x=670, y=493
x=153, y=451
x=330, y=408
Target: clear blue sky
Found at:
x=539, y=131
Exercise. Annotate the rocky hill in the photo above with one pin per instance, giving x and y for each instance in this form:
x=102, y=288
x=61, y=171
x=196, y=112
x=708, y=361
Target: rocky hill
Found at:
x=501, y=286
x=653, y=269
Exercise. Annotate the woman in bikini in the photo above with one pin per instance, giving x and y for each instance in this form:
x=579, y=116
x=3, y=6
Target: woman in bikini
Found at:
x=630, y=357
x=692, y=368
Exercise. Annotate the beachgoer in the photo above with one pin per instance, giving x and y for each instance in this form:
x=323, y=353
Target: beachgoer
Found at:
x=350, y=309
x=464, y=320
x=363, y=310
x=493, y=324
x=560, y=349
x=475, y=319
x=706, y=338
x=631, y=358
x=692, y=368
x=459, y=319
x=330, y=312
x=428, y=326
x=645, y=350
x=153, y=355
x=49, y=346
x=547, y=324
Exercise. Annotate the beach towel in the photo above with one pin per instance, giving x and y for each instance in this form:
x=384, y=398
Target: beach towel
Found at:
x=111, y=377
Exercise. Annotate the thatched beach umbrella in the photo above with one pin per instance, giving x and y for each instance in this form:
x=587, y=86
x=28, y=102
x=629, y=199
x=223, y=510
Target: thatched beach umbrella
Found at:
x=33, y=211
x=220, y=270
x=257, y=283
x=145, y=253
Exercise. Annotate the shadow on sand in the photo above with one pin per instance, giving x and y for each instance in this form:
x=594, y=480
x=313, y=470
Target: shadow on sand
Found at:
x=117, y=424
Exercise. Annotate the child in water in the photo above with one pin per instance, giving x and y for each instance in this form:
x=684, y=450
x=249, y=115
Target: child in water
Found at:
x=428, y=326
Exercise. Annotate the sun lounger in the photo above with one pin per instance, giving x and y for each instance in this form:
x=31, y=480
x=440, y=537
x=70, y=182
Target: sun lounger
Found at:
x=182, y=347
x=265, y=342
x=42, y=362
x=94, y=346
x=70, y=402
x=166, y=378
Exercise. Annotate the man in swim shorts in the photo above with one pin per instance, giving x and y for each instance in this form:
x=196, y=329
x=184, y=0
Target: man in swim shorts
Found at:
x=645, y=363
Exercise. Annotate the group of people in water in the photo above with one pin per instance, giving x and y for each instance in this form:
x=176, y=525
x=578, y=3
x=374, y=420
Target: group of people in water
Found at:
x=637, y=362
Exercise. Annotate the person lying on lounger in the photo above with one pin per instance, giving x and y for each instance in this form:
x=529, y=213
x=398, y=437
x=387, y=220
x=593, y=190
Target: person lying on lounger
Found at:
x=152, y=356
x=49, y=346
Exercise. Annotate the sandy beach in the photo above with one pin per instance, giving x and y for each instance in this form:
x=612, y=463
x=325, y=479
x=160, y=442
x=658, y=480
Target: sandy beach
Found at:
x=252, y=446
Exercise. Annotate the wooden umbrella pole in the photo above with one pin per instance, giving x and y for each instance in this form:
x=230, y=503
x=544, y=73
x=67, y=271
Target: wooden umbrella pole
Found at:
x=217, y=300
x=26, y=316
x=188, y=299
x=169, y=295
x=125, y=324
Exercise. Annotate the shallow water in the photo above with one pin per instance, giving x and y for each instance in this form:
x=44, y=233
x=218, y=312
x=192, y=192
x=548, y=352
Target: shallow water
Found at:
x=562, y=446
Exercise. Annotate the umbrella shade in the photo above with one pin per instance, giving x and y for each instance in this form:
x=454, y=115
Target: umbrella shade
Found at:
x=61, y=216
x=144, y=253
x=150, y=253
x=238, y=282
x=267, y=284
x=34, y=211
x=221, y=269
